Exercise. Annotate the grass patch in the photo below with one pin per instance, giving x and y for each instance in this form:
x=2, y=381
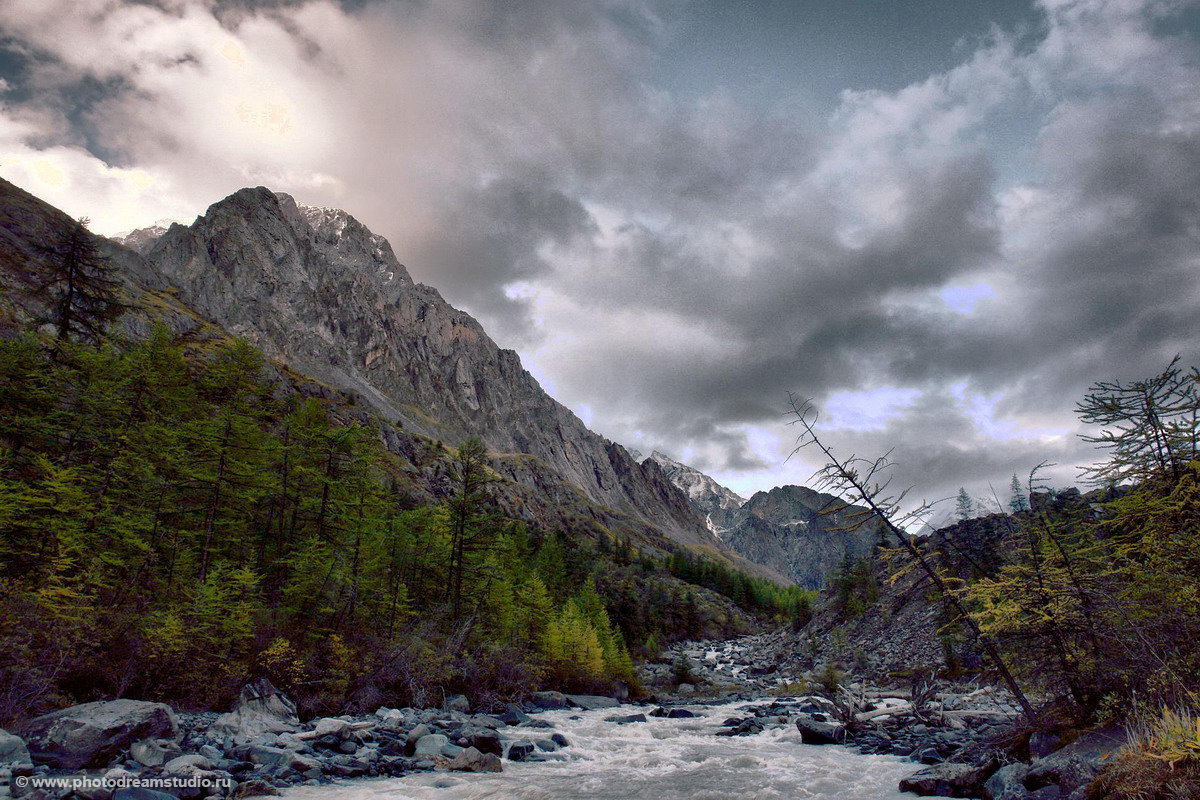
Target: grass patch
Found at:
x=1162, y=760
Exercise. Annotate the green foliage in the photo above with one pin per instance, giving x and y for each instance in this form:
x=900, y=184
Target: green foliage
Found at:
x=964, y=506
x=785, y=603
x=855, y=587
x=173, y=522
x=1100, y=602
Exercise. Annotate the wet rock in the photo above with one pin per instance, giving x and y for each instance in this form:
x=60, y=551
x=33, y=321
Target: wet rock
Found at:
x=486, y=741
x=1078, y=763
x=520, y=750
x=590, y=702
x=560, y=740
x=89, y=735
x=1007, y=783
x=680, y=713
x=946, y=780
x=819, y=731
x=255, y=787
x=546, y=746
x=627, y=719
x=471, y=760
x=550, y=700
x=430, y=745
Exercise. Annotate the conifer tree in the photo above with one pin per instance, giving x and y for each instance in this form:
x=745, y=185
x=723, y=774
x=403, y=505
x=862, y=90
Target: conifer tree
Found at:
x=80, y=284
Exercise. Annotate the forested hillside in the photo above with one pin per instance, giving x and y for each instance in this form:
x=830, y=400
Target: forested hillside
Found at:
x=175, y=517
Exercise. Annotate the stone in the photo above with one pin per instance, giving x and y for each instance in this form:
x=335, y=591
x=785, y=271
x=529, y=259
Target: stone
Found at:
x=91, y=734
x=255, y=787
x=332, y=726
x=486, y=741
x=430, y=745
x=1043, y=744
x=1078, y=763
x=260, y=708
x=590, y=702
x=681, y=713
x=819, y=731
x=140, y=793
x=627, y=719
x=280, y=758
x=1006, y=783
x=184, y=765
x=471, y=760
x=560, y=740
x=945, y=780
x=520, y=750
x=686, y=688
x=457, y=702
x=418, y=731
x=546, y=746
x=550, y=700
x=13, y=749
x=149, y=753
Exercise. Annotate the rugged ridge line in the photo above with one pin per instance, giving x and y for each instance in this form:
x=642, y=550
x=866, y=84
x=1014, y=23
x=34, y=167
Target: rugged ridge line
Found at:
x=316, y=290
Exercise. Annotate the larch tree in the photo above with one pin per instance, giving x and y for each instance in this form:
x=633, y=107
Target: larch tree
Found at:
x=79, y=283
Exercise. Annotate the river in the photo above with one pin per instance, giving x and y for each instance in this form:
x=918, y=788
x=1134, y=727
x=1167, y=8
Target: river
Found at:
x=662, y=759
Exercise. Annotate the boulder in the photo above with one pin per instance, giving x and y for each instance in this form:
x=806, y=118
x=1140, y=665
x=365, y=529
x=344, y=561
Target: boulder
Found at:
x=13, y=749
x=279, y=758
x=681, y=713
x=471, y=760
x=430, y=745
x=332, y=726
x=519, y=751
x=560, y=740
x=457, y=702
x=151, y=753
x=590, y=702
x=819, y=731
x=550, y=700
x=546, y=745
x=184, y=765
x=1043, y=744
x=255, y=787
x=1078, y=763
x=1007, y=783
x=625, y=720
x=486, y=741
x=260, y=708
x=91, y=734
x=945, y=780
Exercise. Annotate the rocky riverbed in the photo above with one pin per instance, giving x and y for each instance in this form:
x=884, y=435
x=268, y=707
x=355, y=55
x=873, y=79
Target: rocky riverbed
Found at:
x=938, y=739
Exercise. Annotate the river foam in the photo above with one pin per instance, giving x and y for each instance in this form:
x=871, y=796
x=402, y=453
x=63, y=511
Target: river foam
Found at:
x=662, y=759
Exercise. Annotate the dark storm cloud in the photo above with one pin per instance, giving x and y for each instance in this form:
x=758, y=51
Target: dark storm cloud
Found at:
x=679, y=260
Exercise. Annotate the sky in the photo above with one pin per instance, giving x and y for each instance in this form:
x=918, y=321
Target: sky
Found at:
x=941, y=220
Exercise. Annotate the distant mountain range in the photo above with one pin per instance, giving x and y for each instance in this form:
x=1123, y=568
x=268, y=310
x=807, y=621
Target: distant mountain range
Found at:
x=803, y=534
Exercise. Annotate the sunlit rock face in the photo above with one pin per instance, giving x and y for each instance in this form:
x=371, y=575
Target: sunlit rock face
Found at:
x=315, y=289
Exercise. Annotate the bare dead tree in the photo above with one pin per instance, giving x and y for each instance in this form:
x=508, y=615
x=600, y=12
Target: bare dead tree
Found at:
x=867, y=481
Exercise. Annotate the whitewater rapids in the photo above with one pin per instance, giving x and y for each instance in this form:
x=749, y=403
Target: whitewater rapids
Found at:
x=662, y=759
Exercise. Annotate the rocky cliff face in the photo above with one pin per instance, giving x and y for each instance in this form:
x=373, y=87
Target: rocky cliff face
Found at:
x=316, y=290
x=804, y=534
x=711, y=499
x=797, y=532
